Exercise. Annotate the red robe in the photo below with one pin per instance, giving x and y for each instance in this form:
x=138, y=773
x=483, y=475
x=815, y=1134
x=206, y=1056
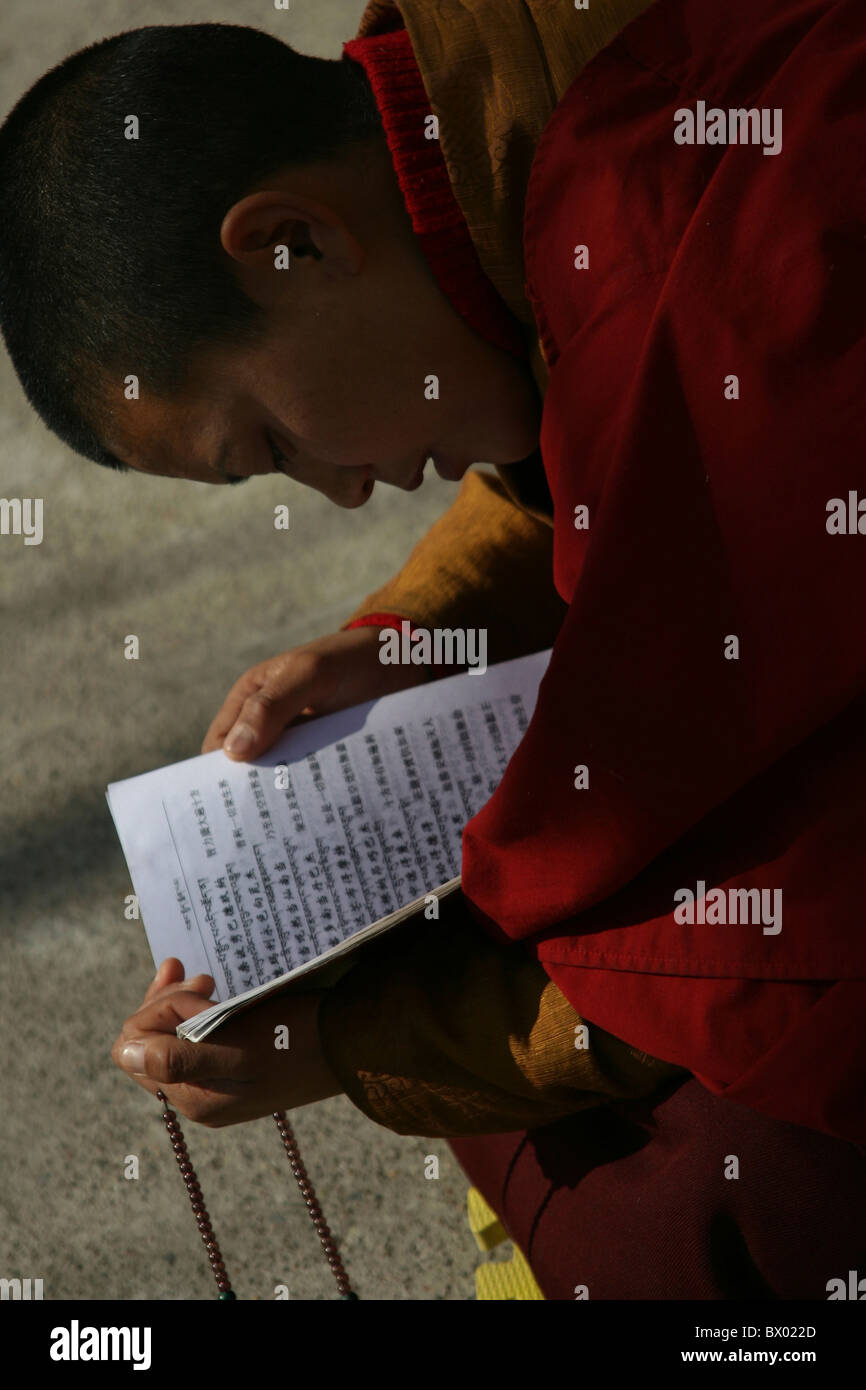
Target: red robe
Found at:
x=708, y=520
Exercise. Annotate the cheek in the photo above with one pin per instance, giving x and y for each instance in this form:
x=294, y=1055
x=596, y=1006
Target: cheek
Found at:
x=353, y=429
x=351, y=411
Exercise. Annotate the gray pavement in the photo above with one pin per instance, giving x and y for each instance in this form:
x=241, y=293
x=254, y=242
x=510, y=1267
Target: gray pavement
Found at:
x=200, y=575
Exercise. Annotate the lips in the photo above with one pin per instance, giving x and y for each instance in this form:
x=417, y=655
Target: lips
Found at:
x=418, y=479
x=451, y=470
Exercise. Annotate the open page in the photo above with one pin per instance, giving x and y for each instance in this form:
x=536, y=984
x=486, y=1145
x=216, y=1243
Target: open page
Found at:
x=253, y=871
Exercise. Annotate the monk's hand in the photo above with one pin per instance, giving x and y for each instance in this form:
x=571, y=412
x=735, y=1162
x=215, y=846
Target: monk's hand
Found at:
x=331, y=673
x=268, y=1058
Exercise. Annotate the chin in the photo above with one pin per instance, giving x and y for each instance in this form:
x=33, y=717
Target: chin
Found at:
x=518, y=434
x=517, y=447
x=520, y=458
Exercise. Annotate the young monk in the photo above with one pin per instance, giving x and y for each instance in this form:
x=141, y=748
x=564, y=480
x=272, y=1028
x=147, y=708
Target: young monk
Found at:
x=632, y=254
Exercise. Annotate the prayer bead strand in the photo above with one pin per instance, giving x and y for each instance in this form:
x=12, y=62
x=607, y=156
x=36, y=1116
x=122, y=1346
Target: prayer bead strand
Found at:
x=202, y=1215
x=311, y=1201
x=193, y=1191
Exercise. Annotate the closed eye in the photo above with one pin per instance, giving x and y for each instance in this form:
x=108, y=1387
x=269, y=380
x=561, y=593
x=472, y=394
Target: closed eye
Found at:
x=276, y=454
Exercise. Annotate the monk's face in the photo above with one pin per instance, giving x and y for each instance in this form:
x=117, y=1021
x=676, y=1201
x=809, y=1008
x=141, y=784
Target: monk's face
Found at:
x=361, y=371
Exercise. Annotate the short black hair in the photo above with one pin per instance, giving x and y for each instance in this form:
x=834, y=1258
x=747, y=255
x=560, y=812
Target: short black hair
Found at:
x=110, y=258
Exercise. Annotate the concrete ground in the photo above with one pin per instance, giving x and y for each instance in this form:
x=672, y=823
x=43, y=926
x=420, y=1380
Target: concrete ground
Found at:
x=199, y=574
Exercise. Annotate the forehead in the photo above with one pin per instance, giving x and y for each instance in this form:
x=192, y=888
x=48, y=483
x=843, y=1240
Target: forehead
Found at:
x=173, y=436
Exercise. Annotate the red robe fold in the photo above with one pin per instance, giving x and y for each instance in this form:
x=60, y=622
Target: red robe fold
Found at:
x=707, y=402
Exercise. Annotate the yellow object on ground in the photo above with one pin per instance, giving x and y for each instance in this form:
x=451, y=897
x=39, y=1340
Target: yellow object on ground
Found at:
x=502, y=1279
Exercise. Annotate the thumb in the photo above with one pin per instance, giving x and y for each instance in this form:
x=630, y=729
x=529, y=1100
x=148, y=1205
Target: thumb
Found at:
x=153, y=1051
x=267, y=710
x=173, y=1061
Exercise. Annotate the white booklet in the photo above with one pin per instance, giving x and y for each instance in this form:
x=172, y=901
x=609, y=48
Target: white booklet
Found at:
x=264, y=873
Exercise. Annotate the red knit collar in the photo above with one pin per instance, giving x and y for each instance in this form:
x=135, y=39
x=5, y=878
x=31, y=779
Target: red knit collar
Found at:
x=439, y=224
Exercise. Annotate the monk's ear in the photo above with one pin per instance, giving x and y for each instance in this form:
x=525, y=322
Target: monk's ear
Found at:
x=256, y=227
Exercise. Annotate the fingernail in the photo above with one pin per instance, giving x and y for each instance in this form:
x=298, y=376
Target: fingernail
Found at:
x=132, y=1058
x=239, y=740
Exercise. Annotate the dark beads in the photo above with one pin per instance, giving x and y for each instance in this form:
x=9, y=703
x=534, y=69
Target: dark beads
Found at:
x=202, y=1217
x=193, y=1190
x=311, y=1202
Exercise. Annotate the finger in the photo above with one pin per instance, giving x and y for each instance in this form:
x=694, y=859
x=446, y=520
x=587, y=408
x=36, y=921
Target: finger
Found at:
x=266, y=711
x=170, y=971
x=162, y=1013
x=196, y=984
x=231, y=707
